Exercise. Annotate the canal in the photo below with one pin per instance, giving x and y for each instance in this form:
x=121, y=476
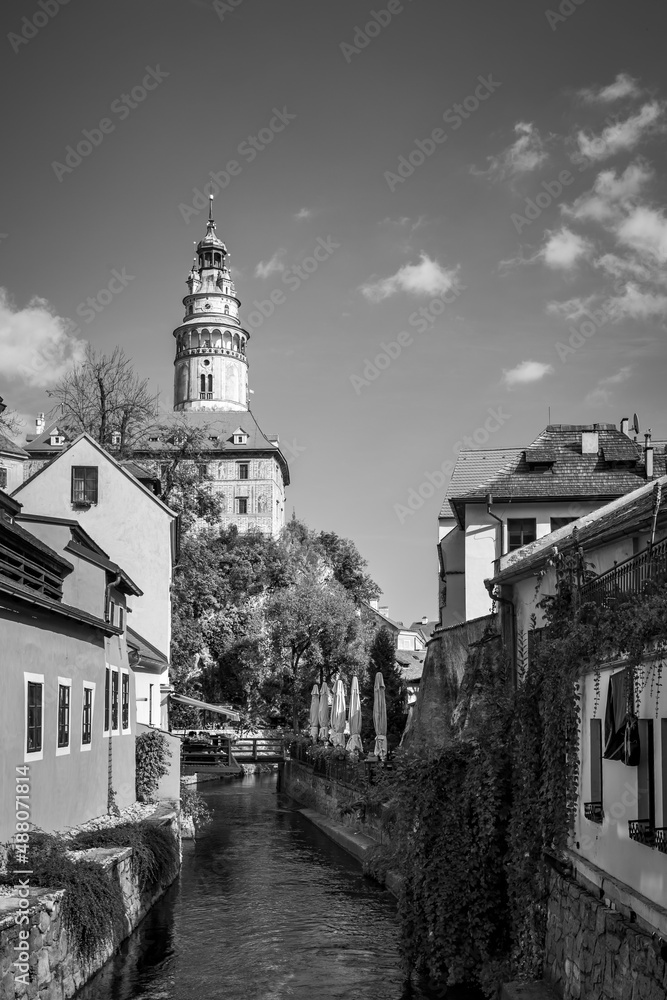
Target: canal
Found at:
x=266, y=908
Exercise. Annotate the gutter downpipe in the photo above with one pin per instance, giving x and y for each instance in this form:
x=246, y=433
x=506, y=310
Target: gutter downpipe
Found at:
x=489, y=501
x=506, y=600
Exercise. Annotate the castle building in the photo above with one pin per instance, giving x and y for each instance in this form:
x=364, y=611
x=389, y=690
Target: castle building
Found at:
x=211, y=397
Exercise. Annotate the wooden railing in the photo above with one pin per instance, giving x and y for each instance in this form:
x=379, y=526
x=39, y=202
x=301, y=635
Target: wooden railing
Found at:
x=336, y=769
x=24, y=571
x=259, y=750
x=628, y=577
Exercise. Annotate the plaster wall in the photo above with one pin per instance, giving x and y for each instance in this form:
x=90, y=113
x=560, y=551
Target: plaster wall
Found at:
x=132, y=528
x=68, y=788
x=14, y=467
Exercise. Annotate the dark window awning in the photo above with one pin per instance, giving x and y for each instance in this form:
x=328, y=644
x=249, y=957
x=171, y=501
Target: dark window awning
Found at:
x=621, y=735
x=205, y=706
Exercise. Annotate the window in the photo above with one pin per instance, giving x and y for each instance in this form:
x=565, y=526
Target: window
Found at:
x=202, y=471
x=241, y=505
x=593, y=809
x=121, y=616
x=84, y=484
x=111, y=612
x=114, y=701
x=520, y=531
x=87, y=715
x=406, y=642
x=3, y=478
x=125, y=701
x=107, y=695
x=64, y=704
x=645, y=774
x=164, y=470
x=560, y=522
x=34, y=716
x=244, y=469
x=150, y=704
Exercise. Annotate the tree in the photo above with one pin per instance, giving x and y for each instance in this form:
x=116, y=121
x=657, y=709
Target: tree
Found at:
x=304, y=622
x=348, y=566
x=103, y=395
x=383, y=658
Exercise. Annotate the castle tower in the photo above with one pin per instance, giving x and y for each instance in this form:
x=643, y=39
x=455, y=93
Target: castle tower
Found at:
x=211, y=369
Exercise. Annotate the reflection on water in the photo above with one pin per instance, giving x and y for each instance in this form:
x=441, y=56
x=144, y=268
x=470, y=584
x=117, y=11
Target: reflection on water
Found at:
x=266, y=908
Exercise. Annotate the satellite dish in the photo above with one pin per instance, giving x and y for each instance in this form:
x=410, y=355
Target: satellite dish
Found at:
x=635, y=424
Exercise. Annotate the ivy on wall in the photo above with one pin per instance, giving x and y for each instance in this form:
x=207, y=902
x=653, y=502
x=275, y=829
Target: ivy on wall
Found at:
x=475, y=817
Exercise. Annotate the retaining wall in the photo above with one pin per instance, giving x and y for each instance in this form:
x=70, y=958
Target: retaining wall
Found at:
x=594, y=952
x=55, y=971
x=333, y=798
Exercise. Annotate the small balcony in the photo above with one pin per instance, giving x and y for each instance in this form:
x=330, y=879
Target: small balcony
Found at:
x=642, y=831
x=594, y=812
x=661, y=839
x=628, y=577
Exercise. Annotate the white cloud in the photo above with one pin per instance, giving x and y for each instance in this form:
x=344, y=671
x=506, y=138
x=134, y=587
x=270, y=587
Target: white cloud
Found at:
x=266, y=268
x=572, y=309
x=563, y=249
x=601, y=394
x=428, y=277
x=303, y=213
x=645, y=230
x=623, y=86
x=637, y=303
x=624, y=135
x=35, y=344
x=526, y=153
x=611, y=191
x=526, y=372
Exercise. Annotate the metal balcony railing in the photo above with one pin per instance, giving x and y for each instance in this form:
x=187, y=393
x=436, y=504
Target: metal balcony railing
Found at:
x=594, y=812
x=628, y=577
x=642, y=831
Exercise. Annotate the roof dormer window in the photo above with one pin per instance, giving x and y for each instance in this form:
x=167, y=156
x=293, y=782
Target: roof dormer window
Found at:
x=539, y=459
x=56, y=438
x=240, y=436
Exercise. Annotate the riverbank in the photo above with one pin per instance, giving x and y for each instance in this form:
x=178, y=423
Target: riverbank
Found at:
x=38, y=954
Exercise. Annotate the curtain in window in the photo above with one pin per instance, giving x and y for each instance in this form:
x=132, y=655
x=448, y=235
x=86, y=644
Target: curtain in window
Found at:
x=621, y=731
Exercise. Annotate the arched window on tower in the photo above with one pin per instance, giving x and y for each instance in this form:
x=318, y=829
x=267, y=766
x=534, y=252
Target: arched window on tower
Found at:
x=216, y=259
x=227, y=340
x=202, y=387
x=226, y=310
x=209, y=379
x=207, y=258
x=236, y=341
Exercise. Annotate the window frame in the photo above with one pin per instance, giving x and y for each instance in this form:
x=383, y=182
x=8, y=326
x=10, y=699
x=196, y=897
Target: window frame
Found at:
x=38, y=754
x=123, y=688
x=565, y=521
x=107, y=700
x=237, y=503
x=4, y=477
x=88, y=491
x=114, y=701
x=523, y=521
x=241, y=467
x=87, y=686
x=64, y=684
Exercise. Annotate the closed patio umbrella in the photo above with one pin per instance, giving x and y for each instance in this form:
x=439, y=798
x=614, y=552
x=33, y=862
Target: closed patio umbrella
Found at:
x=324, y=712
x=315, y=712
x=380, y=716
x=354, y=742
x=338, y=715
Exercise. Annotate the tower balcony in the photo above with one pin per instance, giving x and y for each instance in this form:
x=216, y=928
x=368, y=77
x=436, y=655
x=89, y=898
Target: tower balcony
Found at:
x=193, y=352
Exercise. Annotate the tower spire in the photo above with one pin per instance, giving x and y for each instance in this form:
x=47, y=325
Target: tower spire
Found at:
x=210, y=208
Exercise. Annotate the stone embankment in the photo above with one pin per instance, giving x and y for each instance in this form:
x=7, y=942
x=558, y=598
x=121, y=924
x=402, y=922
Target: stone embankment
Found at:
x=54, y=969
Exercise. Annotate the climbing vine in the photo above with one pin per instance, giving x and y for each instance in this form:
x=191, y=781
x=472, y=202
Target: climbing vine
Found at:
x=478, y=818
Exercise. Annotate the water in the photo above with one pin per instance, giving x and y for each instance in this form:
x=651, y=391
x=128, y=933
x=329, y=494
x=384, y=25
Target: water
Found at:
x=266, y=908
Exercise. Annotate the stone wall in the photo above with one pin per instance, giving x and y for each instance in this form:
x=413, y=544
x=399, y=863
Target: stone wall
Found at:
x=47, y=959
x=332, y=798
x=594, y=952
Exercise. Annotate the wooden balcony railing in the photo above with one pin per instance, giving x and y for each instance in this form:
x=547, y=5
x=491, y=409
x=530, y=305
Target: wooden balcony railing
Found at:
x=628, y=577
x=20, y=569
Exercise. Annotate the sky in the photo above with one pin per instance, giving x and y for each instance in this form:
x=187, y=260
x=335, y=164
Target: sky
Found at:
x=463, y=204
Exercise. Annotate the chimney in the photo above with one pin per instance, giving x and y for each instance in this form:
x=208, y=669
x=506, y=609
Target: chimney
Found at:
x=648, y=454
x=424, y=619
x=374, y=603
x=384, y=611
x=40, y=424
x=625, y=426
x=589, y=443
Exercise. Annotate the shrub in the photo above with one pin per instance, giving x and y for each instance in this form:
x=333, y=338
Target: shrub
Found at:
x=152, y=755
x=154, y=849
x=193, y=806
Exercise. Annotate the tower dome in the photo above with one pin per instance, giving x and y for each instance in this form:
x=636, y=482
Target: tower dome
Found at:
x=211, y=368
